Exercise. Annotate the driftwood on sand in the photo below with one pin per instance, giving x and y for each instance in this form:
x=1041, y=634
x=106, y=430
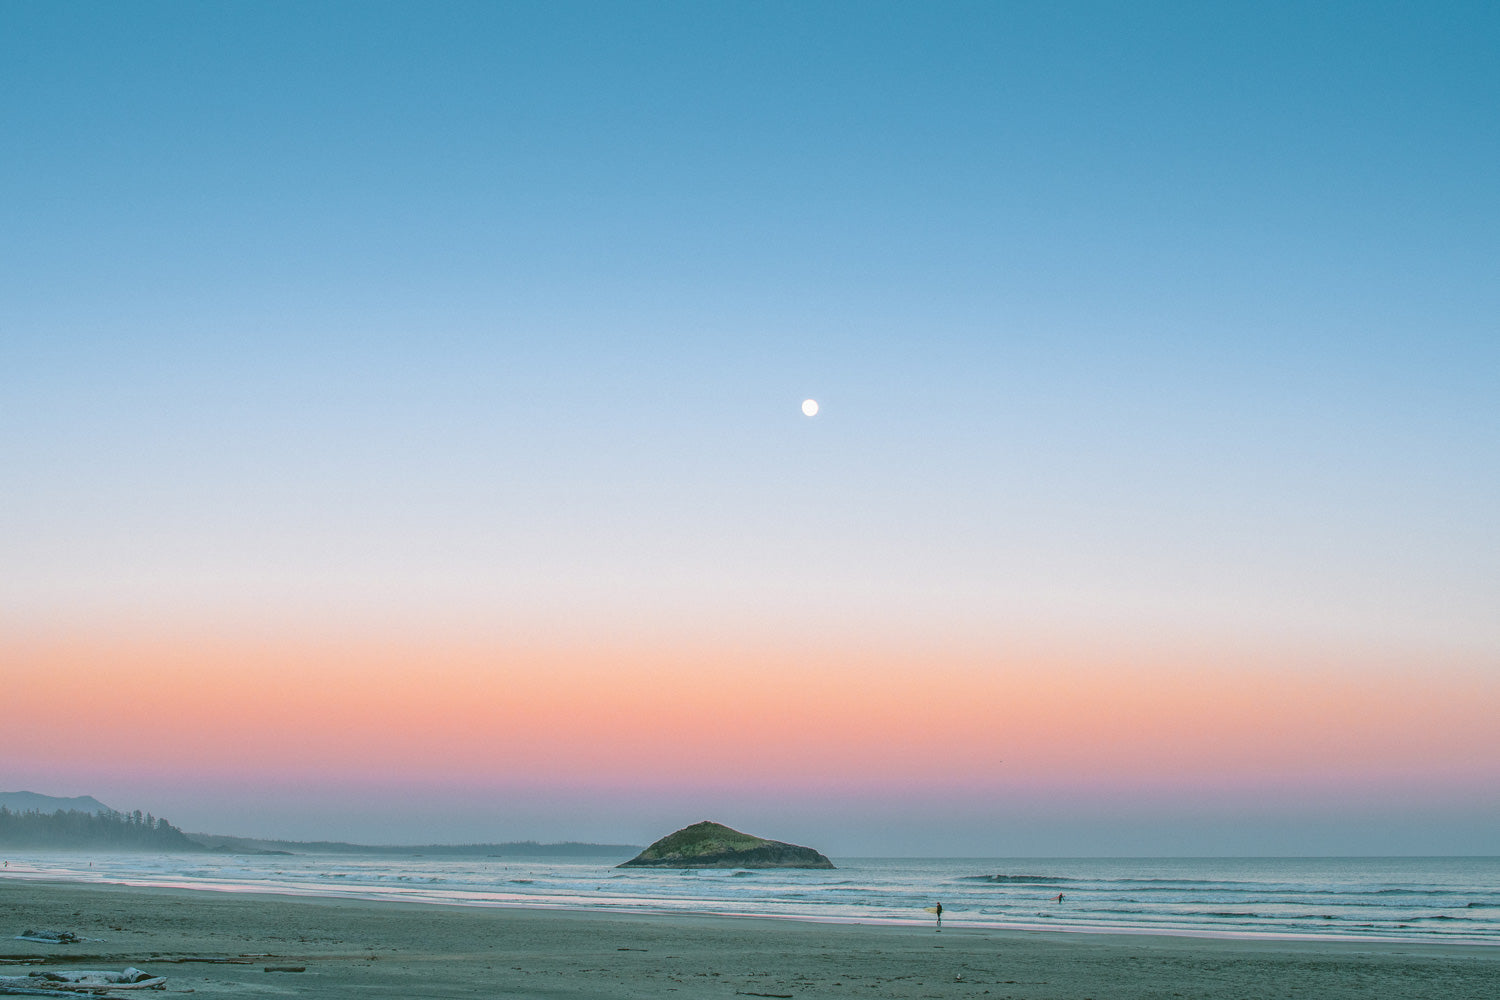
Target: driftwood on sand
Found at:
x=52, y=937
x=81, y=981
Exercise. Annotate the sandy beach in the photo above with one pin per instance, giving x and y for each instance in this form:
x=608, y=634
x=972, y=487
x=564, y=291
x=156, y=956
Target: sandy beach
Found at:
x=217, y=944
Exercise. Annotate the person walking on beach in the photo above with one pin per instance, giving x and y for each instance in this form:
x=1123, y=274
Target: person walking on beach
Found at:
x=938, y=909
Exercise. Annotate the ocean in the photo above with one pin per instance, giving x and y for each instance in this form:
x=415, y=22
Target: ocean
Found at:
x=1448, y=899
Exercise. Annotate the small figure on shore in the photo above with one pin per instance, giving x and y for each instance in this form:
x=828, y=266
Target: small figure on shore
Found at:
x=939, y=910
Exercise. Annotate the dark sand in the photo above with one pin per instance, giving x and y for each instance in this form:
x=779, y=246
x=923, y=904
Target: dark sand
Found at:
x=378, y=950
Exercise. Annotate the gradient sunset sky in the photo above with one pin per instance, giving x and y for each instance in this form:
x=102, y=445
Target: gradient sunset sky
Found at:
x=401, y=432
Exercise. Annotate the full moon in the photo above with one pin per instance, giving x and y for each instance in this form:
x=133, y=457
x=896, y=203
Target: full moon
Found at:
x=810, y=407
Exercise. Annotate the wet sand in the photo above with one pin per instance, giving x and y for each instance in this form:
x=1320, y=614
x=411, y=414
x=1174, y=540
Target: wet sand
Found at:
x=219, y=944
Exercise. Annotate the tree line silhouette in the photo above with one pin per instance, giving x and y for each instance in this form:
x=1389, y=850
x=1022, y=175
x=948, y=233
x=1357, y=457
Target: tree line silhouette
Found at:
x=73, y=828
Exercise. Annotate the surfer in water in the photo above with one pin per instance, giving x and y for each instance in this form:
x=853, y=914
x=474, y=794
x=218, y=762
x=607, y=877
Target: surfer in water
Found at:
x=1059, y=897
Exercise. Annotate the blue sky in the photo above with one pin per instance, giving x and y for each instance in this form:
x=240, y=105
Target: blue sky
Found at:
x=1220, y=272
x=1128, y=321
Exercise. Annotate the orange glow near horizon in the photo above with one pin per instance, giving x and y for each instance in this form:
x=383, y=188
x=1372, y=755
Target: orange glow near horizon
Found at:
x=497, y=714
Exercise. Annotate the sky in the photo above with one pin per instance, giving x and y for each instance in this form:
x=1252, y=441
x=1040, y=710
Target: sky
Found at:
x=400, y=416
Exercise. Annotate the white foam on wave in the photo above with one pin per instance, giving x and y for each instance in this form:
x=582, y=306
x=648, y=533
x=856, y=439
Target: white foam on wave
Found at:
x=1443, y=899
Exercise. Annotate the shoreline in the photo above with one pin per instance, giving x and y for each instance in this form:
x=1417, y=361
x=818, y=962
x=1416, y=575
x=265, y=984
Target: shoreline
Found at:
x=376, y=897
x=221, y=944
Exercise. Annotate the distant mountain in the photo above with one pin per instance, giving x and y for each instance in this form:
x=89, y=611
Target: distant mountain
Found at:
x=714, y=845
x=513, y=849
x=102, y=826
x=19, y=802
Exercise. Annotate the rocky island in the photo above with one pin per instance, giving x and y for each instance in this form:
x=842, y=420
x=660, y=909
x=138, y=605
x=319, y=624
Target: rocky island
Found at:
x=714, y=845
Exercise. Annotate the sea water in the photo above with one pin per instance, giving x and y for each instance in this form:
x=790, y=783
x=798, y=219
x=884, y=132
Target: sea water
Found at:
x=1451, y=899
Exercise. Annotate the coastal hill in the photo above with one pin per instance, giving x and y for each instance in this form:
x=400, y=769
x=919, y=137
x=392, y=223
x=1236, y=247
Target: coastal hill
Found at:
x=510, y=849
x=72, y=829
x=30, y=819
x=82, y=822
x=714, y=845
x=22, y=802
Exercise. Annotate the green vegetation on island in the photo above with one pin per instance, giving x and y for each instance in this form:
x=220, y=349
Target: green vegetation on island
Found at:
x=714, y=845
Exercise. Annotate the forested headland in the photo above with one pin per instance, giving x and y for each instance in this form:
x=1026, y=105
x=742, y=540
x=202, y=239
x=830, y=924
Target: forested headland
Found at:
x=109, y=830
